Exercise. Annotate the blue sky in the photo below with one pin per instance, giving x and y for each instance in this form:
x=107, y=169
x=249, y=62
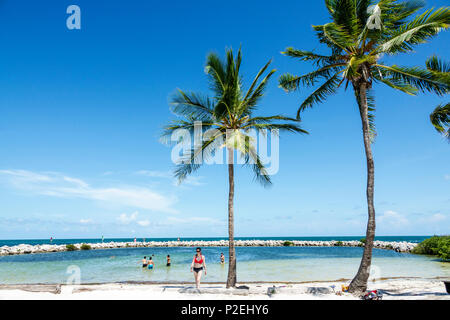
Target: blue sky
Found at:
x=81, y=112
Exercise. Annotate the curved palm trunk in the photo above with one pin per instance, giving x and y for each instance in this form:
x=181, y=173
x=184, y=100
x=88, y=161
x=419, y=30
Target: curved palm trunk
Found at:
x=231, y=280
x=359, y=282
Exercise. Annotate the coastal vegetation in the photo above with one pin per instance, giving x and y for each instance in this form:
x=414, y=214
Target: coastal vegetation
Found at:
x=288, y=243
x=85, y=246
x=71, y=247
x=437, y=246
x=359, y=34
x=227, y=121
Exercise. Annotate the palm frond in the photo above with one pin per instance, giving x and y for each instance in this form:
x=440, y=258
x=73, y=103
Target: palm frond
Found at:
x=215, y=69
x=253, y=159
x=192, y=104
x=335, y=37
x=318, y=59
x=290, y=127
x=439, y=68
x=329, y=87
x=290, y=83
x=188, y=125
x=193, y=160
x=419, y=30
x=422, y=79
x=250, y=100
x=395, y=83
x=345, y=15
x=435, y=64
x=440, y=118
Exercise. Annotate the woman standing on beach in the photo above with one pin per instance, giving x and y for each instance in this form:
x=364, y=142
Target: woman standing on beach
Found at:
x=198, y=263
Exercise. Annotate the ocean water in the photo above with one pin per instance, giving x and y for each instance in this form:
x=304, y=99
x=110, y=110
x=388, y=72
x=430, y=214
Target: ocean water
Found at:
x=253, y=264
x=97, y=240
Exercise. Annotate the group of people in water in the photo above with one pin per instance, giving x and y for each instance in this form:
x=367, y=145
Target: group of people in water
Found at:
x=149, y=263
x=198, y=264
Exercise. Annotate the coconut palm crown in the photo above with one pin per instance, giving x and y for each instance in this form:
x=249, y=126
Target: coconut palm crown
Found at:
x=227, y=119
x=360, y=34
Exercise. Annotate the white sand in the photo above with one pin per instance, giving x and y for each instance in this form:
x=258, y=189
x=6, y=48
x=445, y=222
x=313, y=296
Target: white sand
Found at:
x=394, y=289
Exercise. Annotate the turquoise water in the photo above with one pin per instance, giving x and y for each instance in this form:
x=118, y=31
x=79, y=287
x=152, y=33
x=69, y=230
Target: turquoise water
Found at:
x=97, y=240
x=254, y=264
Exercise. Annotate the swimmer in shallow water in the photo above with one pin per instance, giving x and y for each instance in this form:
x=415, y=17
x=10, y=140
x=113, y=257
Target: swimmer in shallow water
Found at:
x=144, y=262
x=168, y=260
x=150, y=263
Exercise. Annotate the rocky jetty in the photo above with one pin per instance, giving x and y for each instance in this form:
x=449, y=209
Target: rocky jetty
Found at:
x=45, y=248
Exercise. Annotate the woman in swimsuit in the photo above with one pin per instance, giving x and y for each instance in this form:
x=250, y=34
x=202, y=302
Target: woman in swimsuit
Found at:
x=168, y=260
x=197, y=266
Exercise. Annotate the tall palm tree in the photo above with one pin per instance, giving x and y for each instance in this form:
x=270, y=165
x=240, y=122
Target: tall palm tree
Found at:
x=228, y=118
x=359, y=34
x=440, y=117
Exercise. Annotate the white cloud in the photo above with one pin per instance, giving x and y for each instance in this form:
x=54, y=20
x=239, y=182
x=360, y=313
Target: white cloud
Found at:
x=155, y=174
x=144, y=223
x=190, y=180
x=447, y=177
x=76, y=182
x=85, y=221
x=393, y=218
x=193, y=181
x=127, y=219
x=437, y=217
x=58, y=185
x=194, y=220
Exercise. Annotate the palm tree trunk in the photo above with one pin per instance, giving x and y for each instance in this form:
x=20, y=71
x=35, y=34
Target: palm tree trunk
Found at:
x=359, y=282
x=231, y=280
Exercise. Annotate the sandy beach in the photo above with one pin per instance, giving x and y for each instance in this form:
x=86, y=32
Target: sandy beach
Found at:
x=392, y=289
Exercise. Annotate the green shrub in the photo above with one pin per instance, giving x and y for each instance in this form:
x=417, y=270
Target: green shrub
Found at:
x=339, y=244
x=70, y=247
x=288, y=243
x=85, y=246
x=435, y=246
x=362, y=240
x=444, y=251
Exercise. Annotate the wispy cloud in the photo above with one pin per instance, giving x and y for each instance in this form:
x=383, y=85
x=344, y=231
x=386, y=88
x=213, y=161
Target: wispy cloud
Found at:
x=190, y=180
x=393, y=218
x=59, y=185
x=437, y=217
x=127, y=219
x=155, y=174
x=144, y=223
x=190, y=220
